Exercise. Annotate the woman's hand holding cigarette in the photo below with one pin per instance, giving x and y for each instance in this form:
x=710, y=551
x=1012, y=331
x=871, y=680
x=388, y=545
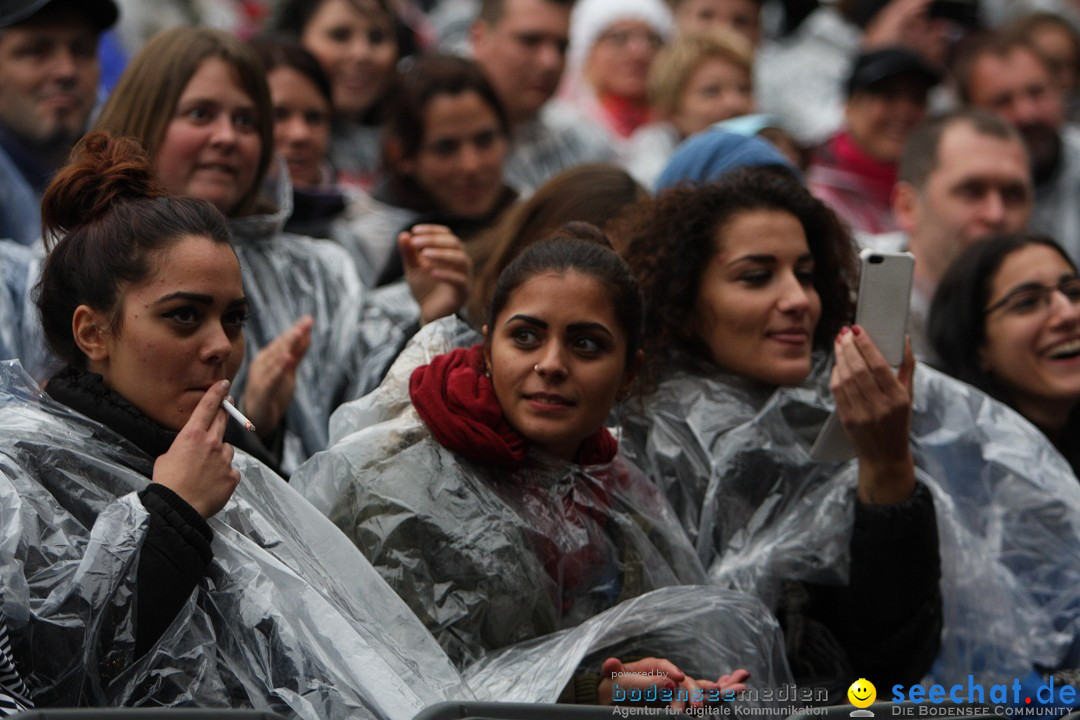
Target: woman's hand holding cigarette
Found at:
x=272, y=376
x=198, y=466
x=437, y=268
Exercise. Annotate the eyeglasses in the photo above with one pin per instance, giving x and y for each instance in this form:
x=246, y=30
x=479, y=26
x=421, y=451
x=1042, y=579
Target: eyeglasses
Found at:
x=622, y=38
x=1033, y=297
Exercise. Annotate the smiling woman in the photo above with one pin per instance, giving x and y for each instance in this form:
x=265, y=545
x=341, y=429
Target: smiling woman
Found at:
x=766, y=293
x=1006, y=318
x=446, y=140
x=358, y=44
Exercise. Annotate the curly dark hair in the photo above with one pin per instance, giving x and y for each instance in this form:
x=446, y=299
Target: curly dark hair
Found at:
x=668, y=242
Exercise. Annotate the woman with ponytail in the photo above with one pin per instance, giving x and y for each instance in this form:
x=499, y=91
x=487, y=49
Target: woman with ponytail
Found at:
x=127, y=554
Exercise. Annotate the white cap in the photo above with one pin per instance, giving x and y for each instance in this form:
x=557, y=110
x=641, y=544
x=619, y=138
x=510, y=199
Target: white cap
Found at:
x=590, y=18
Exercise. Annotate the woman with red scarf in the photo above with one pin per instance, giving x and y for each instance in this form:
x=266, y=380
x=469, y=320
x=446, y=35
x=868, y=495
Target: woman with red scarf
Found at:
x=490, y=495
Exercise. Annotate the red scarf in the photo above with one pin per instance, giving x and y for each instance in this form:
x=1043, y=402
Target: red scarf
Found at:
x=878, y=177
x=456, y=400
x=624, y=115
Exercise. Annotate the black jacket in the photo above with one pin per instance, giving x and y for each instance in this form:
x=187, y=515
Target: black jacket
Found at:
x=176, y=553
x=885, y=623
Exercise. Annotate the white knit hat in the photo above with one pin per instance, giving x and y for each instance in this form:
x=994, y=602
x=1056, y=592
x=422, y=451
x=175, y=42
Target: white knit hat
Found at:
x=590, y=18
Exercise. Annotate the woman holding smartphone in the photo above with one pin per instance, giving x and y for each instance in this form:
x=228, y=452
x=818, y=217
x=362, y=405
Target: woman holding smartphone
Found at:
x=768, y=267
x=134, y=571
x=729, y=414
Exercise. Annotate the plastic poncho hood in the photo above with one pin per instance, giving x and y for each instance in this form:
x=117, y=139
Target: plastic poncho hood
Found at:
x=288, y=276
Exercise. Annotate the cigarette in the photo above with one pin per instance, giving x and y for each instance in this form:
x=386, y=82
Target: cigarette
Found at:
x=237, y=415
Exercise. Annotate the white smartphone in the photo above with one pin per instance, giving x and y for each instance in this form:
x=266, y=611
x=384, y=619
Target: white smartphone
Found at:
x=882, y=311
x=884, y=300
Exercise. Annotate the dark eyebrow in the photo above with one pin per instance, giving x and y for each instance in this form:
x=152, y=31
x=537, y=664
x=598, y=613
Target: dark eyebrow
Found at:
x=573, y=327
x=197, y=298
x=1025, y=287
x=590, y=327
x=1022, y=287
x=769, y=259
x=526, y=319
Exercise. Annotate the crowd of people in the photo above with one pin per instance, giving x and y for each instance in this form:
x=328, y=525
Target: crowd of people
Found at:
x=357, y=355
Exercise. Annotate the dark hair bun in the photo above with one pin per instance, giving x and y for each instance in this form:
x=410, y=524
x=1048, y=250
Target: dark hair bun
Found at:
x=103, y=171
x=581, y=230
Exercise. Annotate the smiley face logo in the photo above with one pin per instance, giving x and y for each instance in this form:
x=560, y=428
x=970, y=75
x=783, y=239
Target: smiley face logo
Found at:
x=862, y=693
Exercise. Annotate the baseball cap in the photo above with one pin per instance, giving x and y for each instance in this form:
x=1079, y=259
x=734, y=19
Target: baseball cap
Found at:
x=876, y=66
x=102, y=14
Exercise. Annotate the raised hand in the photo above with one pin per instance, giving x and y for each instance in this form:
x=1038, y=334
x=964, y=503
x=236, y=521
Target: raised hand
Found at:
x=437, y=268
x=198, y=465
x=272, y=375
x=874, y=406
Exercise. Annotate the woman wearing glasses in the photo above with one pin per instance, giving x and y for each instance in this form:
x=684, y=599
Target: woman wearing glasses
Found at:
x=1006, y=319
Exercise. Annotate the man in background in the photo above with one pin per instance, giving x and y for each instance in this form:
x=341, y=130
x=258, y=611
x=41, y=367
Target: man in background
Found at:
x=521, y=47
x=48, y=89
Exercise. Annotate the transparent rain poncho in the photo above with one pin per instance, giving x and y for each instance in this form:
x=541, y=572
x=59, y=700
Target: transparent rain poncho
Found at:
x=368, y=230
x=20, y=328
x=353, y=341
x=290, y=617
x=513, y=569
x=734, y=459
x=286, y=276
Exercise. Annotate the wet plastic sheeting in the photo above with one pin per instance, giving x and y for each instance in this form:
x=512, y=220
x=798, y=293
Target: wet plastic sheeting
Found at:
x=353, y=341
x=20, y=328
x=703, y=630
x=493, y=559
x=290, y=618
x=1008, y=506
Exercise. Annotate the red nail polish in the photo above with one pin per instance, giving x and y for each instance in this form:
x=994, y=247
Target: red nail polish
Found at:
x=844, y=331
x=856, y=329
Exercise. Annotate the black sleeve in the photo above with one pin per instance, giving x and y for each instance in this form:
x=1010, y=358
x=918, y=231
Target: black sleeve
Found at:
x=266, y=449
x=174, y=558
x=887, y=620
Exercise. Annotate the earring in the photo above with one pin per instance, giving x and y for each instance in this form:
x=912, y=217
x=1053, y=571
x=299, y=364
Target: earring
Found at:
x=536, y=368
x=620, y=405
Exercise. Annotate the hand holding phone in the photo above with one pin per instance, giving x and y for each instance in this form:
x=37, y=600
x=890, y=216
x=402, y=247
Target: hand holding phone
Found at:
x=882, y=312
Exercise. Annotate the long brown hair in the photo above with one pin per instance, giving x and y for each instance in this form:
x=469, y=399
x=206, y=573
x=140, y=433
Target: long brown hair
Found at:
x=144, y=101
